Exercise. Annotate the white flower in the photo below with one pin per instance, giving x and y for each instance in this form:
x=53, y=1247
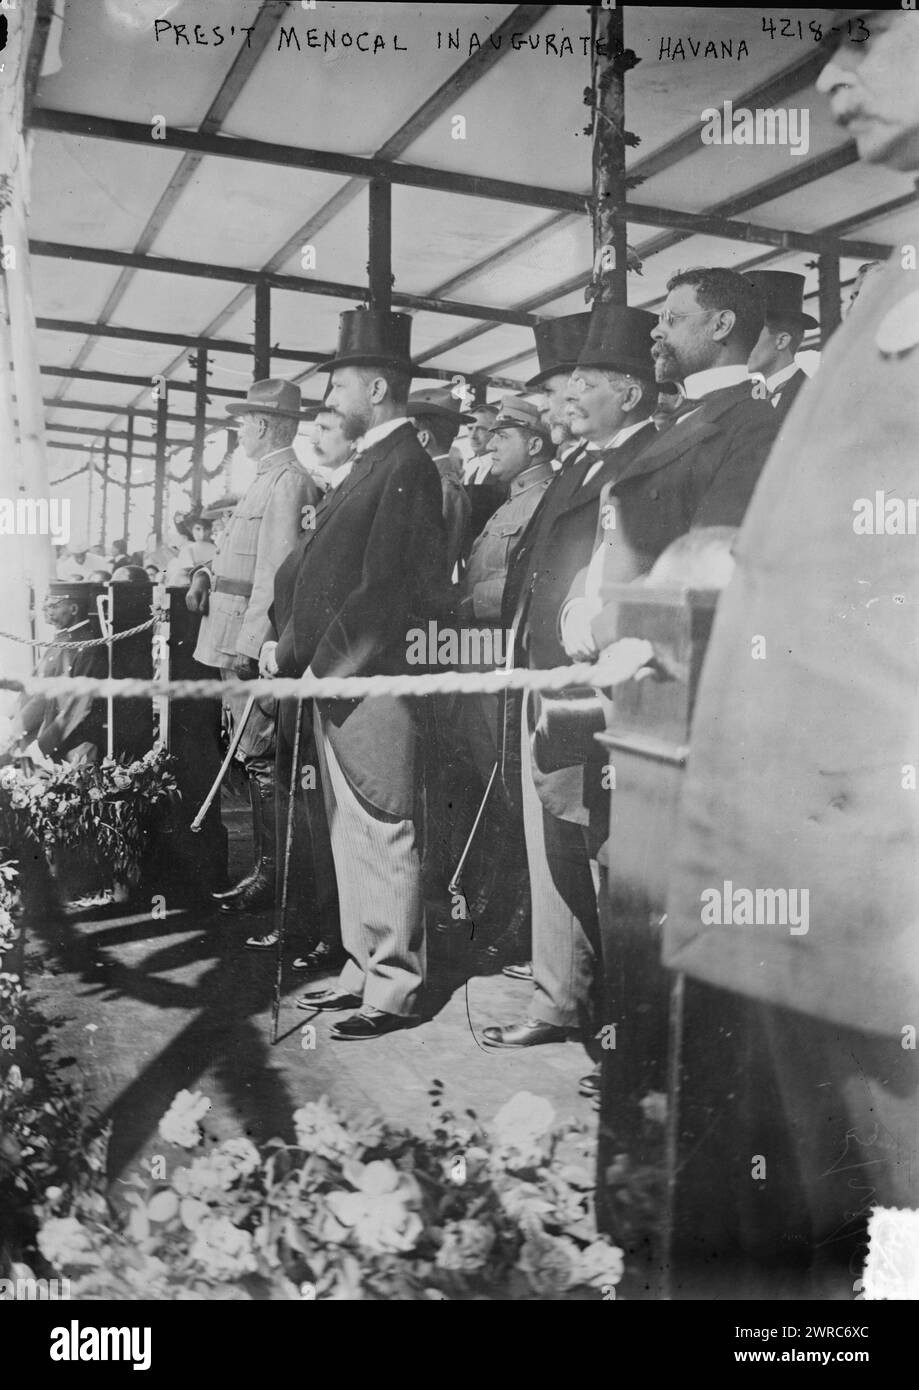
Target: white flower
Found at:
x=163, y=1206
x=222, y=1249
x=319, y=1130
x=218, y=1171
x=466, y=1246
x=64, y=1241
x=550, y=1263
x=14, y=1078
x=518, y=1128
x=193, y=1212
x=383, y=1211
x=180, y=1123
x=600, y=1264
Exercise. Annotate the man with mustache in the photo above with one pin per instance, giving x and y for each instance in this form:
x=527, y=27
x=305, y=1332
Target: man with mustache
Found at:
x=372, y=568
x=801, y=1047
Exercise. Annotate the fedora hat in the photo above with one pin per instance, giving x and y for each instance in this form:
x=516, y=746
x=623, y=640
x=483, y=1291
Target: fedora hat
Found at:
x=558, y=344
x=619, y=340
x=783, y=295
x=440, y=402
x=272, y=396
x=372, y=338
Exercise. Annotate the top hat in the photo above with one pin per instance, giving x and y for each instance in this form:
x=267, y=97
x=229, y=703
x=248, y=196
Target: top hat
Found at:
x=517, y=412
x=558, y=345
x=783, y=295
x=372, y=338
x=272, y=396
x=619, y=340
x=440, y=402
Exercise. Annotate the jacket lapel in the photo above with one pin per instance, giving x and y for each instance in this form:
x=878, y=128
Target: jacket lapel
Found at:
x=583, y=493
x=685, y=435
x=363, y=467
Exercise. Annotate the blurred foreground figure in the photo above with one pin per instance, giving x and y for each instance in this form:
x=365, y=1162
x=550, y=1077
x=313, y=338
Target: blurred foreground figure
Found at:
x=799, y=1024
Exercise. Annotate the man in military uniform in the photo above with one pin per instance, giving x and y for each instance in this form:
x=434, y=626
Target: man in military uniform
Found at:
x=234, y=592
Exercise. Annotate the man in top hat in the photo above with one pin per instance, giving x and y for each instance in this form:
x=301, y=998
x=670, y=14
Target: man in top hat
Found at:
x=234, y=593
x=773, y=356
x=67, y=728
x=372, y=569
x=800, y=777
x=437, y=416
x=615, y=393
x=558, y=345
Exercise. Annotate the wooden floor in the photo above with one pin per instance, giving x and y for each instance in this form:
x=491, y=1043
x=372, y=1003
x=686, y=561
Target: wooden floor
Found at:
x=145, y=1008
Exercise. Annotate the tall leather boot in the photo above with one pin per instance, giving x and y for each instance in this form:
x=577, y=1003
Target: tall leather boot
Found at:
x=258, y=895
x=256, y=805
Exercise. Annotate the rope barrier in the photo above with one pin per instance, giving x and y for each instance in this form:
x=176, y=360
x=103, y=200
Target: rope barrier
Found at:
x=322, y=688
x=89, y=641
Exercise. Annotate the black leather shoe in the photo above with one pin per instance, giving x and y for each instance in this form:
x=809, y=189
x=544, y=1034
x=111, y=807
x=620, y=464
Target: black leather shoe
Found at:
x=590, y=1085
x=256, y=897
x=362, y=1026
x=529, y=1033
x=523, y=971
x=320, y=959
x=237, y=888
x=328, y=999
x=262, y=943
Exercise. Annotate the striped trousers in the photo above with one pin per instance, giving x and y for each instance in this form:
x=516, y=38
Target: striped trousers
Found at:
x=380, y=898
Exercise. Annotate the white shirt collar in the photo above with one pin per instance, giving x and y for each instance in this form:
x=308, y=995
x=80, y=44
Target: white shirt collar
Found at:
x=699, y=384
x=779, y=379
x=620, y=436
x=378, y=432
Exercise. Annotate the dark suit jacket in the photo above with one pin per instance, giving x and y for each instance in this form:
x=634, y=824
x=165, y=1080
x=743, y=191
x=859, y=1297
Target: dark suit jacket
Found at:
x=699, y=472
x=372, y=568
x=556, y=545
x=787, y=393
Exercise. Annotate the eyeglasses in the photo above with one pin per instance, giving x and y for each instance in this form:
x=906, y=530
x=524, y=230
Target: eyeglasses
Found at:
x=668, y=317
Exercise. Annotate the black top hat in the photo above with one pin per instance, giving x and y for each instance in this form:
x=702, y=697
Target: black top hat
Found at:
x=783, y=295
x=619, y=340
x=558, y=344
x=372, y=338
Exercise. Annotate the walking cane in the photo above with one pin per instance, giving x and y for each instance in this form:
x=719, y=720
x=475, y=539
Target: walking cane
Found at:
x=234, y=744
x=453, y=885
x=285, y=873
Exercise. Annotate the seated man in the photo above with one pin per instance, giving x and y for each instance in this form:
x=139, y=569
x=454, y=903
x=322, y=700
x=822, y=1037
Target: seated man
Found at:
x=67, y=728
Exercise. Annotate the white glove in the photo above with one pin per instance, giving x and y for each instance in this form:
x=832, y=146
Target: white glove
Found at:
x=576, y=634
x=267, y=666
x=621, y=661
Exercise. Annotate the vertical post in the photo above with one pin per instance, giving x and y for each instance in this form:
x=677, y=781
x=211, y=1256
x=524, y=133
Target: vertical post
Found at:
x=15, y=91
x=128, y=465
x=15, y=657
x=610, y=137
x=159, y=465
x=262, y=363
x=830, y=295
x=105, y=466
x=197, y=462
x=379, y=269
x=91, y=475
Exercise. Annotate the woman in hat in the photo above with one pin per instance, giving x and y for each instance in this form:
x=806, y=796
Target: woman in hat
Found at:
x=197, y=550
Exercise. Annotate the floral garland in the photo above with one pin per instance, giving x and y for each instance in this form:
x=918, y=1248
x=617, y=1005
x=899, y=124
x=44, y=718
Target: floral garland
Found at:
x=351, y=1211
x=106, y=811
